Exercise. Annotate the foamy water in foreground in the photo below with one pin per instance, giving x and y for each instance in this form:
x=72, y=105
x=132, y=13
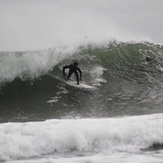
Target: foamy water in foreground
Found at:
x=83, y=140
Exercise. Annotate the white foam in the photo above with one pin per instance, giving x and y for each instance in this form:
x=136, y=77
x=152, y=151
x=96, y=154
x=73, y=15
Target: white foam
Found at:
x=128, y=134
x=58, y=96
x=97, y=75
x=29, y=65
x=97, y=158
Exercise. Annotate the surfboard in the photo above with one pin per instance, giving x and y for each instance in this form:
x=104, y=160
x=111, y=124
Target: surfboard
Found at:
x=73, y=83
x=81, y=85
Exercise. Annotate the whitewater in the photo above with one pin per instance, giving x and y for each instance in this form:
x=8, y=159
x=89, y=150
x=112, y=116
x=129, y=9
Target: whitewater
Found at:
x=122, y=139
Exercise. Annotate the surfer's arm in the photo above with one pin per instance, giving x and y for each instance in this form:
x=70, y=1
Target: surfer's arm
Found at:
x=80, y=73
x=65, y=67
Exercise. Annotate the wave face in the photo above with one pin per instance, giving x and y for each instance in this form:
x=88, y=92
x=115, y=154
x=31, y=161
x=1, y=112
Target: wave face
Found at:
x=126, y=83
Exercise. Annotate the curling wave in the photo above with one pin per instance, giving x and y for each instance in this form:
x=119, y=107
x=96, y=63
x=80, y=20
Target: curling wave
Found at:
x=127, y=83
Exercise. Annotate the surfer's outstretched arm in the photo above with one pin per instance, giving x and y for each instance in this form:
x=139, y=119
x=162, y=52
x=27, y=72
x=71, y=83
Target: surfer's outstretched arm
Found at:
x=65, y=67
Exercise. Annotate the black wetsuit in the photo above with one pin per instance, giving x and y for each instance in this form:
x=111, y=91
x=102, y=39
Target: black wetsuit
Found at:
x=72, y=69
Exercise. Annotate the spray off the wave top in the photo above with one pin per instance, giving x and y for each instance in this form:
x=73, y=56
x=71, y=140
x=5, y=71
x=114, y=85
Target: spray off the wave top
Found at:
x=35, y=25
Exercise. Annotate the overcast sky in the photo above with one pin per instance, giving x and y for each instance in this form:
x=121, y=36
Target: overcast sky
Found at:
x=39, y=24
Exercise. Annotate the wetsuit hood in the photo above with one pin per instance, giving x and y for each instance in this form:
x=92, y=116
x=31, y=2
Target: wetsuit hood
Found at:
x=75, y=63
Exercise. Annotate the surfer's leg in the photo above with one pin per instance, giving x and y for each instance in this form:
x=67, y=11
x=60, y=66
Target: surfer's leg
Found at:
x=69, y=75
x=77, y=77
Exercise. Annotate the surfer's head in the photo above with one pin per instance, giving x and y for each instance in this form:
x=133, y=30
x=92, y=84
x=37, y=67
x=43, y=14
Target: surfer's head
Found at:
x=148, y=59
x=75, y=64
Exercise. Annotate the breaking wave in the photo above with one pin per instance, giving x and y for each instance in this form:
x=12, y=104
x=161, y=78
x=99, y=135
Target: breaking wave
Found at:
x=127, y=84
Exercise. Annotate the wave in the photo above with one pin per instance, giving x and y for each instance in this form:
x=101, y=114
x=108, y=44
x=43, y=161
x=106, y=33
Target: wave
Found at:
x=32, y=64
x=127, y=84
x=126, y=134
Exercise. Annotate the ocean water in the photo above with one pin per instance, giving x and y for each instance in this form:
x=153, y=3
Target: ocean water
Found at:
x=43, y=120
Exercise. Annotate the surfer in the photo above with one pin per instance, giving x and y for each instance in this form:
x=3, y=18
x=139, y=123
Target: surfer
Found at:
x=73, y=68
x=148, y=59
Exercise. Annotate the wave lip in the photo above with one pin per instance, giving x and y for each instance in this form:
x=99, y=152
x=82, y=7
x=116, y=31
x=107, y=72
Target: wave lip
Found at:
x=30, y=64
